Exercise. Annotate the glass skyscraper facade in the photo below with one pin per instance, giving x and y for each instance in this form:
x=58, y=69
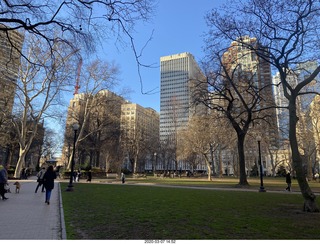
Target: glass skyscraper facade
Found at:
x=178, y=74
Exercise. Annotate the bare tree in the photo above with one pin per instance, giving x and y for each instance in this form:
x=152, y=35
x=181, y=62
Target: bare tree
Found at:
x=51, y=143
x=167, y=152
x=133, y=146
x=97, y=79
x=306, y=142
x=196, y=138
x=102, y=142
x=39, y=84
x=201, y=137
x=238, y=93
x=289, y=35
x=82, y=23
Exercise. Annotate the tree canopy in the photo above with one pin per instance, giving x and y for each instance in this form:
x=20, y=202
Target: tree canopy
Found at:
x=288, y=36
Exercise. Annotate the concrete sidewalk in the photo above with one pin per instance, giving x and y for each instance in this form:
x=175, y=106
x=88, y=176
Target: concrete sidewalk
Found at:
x=26, y=216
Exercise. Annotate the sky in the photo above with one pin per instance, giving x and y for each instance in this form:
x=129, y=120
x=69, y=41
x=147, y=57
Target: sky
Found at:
x=178, y=26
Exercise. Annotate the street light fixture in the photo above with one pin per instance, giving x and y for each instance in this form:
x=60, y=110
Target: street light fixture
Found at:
x=75, y=128
x=155, y=164
x=260, y=163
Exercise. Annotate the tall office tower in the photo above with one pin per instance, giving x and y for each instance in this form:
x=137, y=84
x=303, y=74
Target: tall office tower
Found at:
x=179, y=74
x=10, y=48
x=245, y=65
x=139, y=133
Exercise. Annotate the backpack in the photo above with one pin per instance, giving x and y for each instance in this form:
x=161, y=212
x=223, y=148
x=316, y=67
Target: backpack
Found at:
x=40, y=176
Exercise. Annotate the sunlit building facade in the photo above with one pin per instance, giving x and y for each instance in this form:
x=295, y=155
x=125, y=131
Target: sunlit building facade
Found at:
x=139, y=135
x=178, y=75
x=10, y=54
x=250, y=68
x=101, y=133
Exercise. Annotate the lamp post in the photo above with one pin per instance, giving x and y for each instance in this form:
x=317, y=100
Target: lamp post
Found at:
x=155, y=163
x=261, y=169
x=75, y=129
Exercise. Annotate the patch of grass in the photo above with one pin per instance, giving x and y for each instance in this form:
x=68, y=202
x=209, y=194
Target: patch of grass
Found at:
x=270, y=183
x=119, y=212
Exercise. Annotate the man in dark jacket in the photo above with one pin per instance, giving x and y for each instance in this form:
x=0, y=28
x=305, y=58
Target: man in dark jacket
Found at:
x=3, y=180
x=288, y=181
x=48, y=181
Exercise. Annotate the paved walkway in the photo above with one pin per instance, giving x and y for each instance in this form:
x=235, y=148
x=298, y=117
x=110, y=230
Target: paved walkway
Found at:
x=25, y=215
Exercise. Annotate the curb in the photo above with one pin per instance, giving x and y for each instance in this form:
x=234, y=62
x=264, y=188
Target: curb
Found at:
x=62, y=222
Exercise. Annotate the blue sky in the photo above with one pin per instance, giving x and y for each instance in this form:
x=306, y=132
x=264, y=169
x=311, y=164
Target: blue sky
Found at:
x=178, y=26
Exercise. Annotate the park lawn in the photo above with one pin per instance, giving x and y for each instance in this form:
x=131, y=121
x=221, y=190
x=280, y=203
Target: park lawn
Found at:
x=270, y=183
x=128, y=212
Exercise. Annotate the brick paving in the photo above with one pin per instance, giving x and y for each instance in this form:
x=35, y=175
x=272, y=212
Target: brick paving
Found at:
x=26, y=216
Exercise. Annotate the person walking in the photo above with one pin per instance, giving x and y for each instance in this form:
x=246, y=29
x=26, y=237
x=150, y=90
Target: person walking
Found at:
x=288, y=181
x=3, y=180
x=89, y=176
x=123, y=178
x=78, y=175
x=40, y=176
x=48, y=181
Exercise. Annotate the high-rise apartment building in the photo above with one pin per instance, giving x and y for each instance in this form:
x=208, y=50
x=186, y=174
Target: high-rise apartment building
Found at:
x=10, y=48
x=249, y=68
x=178, y=75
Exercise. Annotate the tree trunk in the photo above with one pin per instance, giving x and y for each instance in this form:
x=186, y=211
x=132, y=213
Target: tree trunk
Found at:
x=135, y=164
x=272, y=161
x=310, y=204
x=242, y=164
x=209, y=173
x=70, y=160
x=220, y=163
x=21, y=162
x=208, y=167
